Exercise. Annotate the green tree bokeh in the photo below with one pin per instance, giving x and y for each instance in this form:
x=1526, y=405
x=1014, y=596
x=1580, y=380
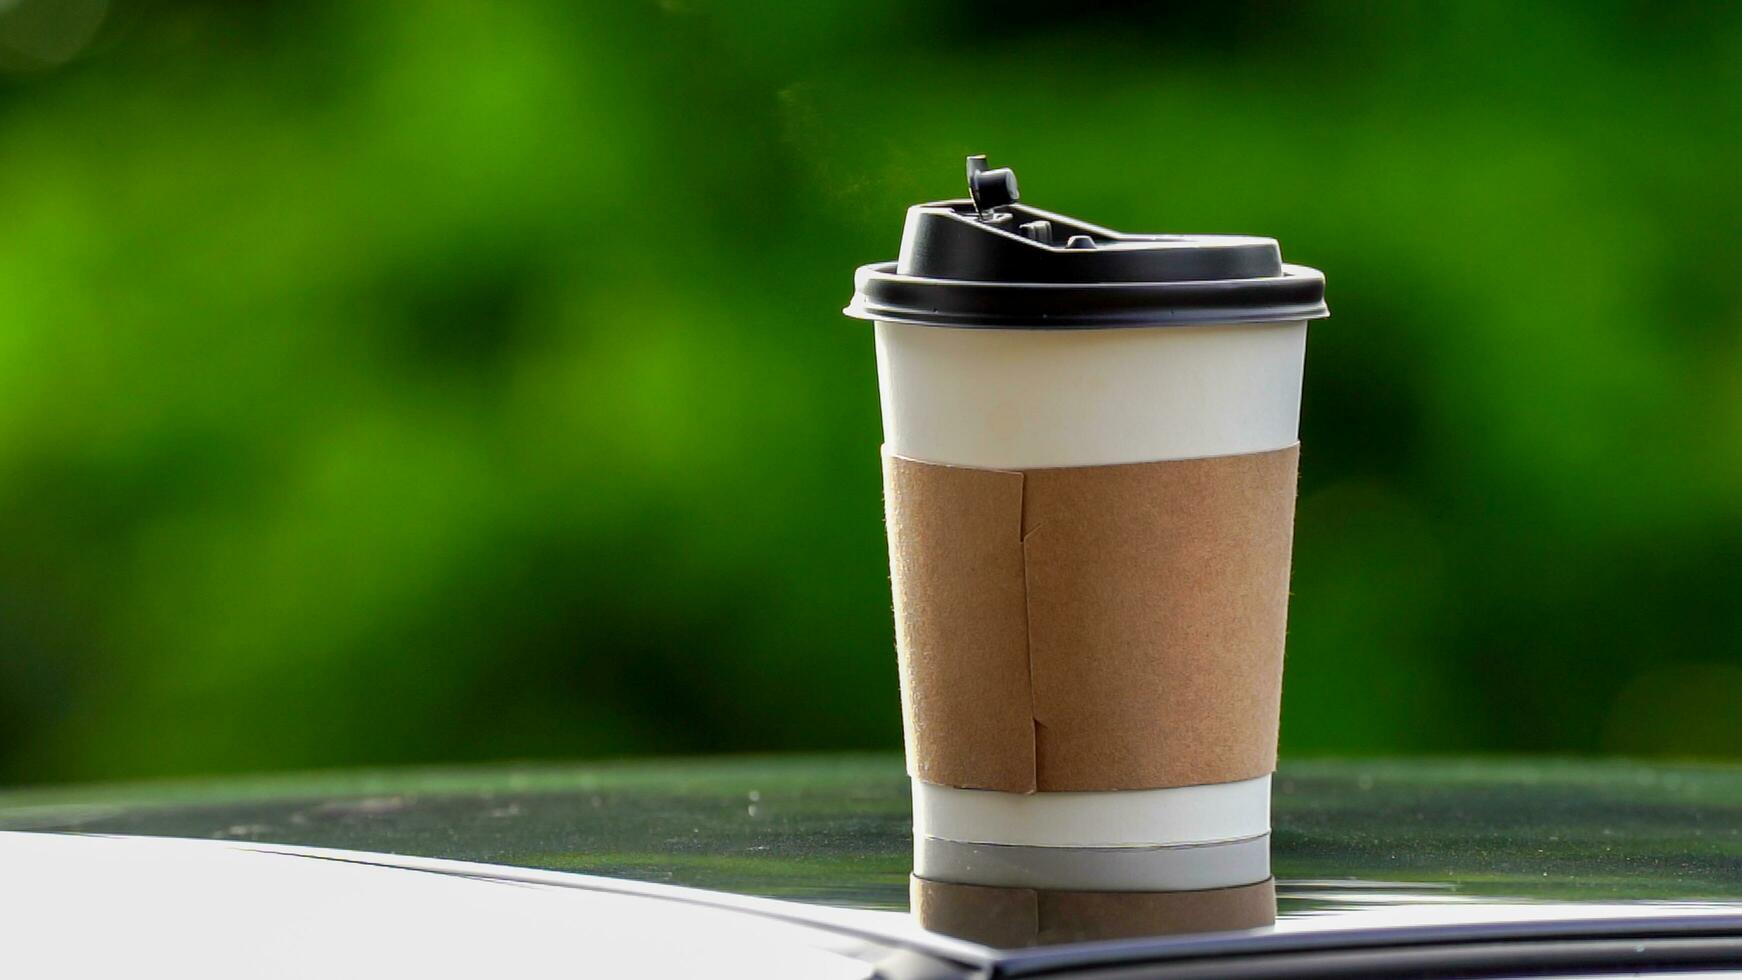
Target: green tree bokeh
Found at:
x=451, y=381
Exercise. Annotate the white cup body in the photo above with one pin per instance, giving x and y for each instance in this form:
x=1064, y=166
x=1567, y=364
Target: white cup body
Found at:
x=1035, y=399
x=1032, y=399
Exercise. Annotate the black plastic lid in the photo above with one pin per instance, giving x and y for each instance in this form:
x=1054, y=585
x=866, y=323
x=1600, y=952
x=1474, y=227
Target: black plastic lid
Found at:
x=988, y=261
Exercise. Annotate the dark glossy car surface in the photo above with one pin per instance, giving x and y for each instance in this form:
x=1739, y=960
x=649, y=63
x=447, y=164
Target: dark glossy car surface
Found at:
x=1506, y=848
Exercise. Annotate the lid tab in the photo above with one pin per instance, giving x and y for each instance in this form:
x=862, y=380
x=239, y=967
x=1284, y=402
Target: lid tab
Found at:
x=990, y=189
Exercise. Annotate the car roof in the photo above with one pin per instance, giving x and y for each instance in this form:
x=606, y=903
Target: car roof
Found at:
x=77, y=905
x=1360, y=849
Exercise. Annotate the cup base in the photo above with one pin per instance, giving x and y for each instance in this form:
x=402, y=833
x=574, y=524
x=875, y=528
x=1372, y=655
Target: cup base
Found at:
x=1124, y=818
x=1173, y=868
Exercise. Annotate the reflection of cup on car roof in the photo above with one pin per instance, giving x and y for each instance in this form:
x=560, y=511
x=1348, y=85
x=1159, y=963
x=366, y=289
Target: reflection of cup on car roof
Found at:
x=1011, y=917
x=1024, y=895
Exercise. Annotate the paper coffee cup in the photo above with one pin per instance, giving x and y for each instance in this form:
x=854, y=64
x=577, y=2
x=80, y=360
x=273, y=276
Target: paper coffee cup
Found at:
x=1090, y=446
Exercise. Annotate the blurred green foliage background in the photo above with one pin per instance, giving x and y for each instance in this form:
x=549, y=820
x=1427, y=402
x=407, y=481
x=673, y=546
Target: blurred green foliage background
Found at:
x=446, y=381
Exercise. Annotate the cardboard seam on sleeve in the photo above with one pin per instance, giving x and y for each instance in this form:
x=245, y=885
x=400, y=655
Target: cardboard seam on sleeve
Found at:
x=1091, y=628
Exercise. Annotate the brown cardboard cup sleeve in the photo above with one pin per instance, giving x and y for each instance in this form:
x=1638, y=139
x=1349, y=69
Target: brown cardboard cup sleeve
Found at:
x=1091, y=628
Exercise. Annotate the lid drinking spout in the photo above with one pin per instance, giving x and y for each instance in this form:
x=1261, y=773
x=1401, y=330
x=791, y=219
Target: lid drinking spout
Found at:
x=990, y=189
